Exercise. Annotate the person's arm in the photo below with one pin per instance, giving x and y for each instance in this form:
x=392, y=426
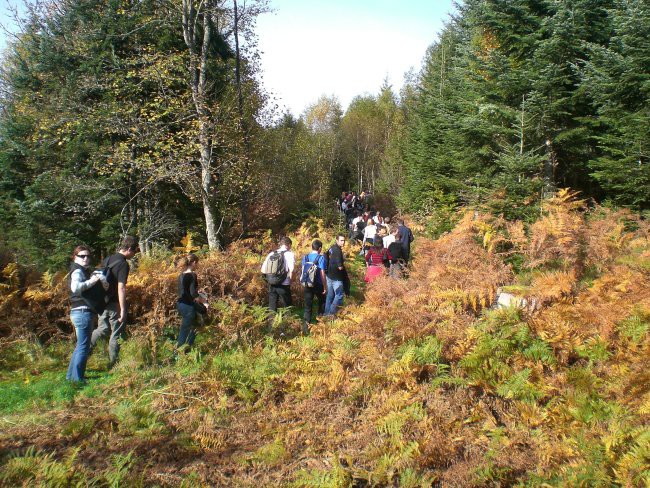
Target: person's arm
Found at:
x=77, y=285
x=291, y=263
x=122, y=275
x=194, y=292
x=323, y=278
x=121, y=296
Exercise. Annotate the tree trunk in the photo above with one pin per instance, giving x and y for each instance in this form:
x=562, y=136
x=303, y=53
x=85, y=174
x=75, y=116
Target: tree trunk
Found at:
x=198, y=48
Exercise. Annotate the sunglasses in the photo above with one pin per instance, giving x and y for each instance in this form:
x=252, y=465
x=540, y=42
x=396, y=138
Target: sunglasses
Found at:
x=83, y=256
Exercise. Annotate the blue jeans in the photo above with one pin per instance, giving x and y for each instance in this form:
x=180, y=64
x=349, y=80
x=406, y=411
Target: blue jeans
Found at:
x=334, y=296
x=187, y=334
x=83, y=321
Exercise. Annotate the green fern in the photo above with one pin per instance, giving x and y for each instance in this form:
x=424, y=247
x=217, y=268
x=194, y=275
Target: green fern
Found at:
x=335, y=477
x=635, y=327
x=519, y=387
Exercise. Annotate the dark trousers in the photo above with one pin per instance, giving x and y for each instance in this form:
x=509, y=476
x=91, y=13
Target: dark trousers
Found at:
x=279, y=292
x=310, y=294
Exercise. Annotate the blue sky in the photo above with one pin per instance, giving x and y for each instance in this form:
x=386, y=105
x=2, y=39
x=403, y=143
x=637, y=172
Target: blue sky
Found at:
x=336, y=47
x=344, y=47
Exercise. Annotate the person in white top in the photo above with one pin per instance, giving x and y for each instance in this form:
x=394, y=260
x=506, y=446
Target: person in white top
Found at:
x=354, y=231
x=368, y=234
x=282, y=292
x=390, y=238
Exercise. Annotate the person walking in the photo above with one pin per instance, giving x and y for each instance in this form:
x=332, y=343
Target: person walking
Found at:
x=112, y=322
x=188, y=298
x=407, y=238
x=280, y=292
x=83, y=317
x=336, y=276
x=368, y=235
x=397, y=263
x=318, y=288
x=377, y=260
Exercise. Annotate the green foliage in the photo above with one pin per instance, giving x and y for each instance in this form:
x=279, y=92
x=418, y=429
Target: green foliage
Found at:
x=35, y=468
x=138, y=418
x=421, y=351
x=249, y=373
x=336, y=477
x=501, y=338
x=516, y=99
x=635, y=327
x=271, y=454
x=121, y=472
x=43, y=391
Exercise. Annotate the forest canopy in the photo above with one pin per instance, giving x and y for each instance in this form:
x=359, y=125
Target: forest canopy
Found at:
x=151, y=118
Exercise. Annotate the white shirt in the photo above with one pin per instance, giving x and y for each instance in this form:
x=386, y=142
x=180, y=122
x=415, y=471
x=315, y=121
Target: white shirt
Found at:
x=289, y=263
x=355, y=221
x=369, y=232
x=388, y=240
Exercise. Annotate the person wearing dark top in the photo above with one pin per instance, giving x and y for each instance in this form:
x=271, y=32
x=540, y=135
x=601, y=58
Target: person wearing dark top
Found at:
x=397, y=257
x=336, y=276
x=407, y=238
x=112, y=322
x=188, y=295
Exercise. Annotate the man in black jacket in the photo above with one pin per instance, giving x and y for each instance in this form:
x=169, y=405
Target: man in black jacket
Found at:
x=336, y=276
x=407, y=238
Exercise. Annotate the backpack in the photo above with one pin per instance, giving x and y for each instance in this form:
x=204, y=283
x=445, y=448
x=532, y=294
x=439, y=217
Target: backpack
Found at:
x=96, y=297
x=309, y=273
x=361, y=225
x=275, y=268
x=110, y=278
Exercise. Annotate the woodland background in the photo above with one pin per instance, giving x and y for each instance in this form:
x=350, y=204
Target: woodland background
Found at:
x=151, y=118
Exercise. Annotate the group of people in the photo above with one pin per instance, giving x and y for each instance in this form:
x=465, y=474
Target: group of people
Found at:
x=99, y=296
x=324, y=277
x=385, y=245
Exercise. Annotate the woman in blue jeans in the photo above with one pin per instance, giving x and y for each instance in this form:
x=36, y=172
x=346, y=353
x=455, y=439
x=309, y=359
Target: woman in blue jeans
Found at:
x=82, y=317
x=188, y=295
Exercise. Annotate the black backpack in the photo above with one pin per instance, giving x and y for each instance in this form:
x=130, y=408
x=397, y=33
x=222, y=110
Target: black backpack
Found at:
x=276, y=268
x=95, y=297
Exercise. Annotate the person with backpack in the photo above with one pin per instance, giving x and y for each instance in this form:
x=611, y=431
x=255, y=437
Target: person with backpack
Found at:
x=315, y=282
x=336, y=276
x=189, y=302
x=278, y=270
x=82, y=314
x=377, y=259
x=112, y=322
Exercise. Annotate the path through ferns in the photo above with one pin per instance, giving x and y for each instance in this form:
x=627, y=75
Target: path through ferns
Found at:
x=419, y=384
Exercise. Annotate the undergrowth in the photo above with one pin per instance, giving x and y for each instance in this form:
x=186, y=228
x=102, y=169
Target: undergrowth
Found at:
x=418, y=382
